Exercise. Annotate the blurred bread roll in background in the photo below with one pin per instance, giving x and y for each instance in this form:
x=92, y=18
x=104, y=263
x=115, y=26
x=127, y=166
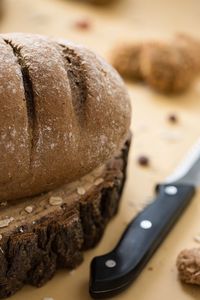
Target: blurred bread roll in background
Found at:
x=169, y=67
x=166, y=67
x=127, y=61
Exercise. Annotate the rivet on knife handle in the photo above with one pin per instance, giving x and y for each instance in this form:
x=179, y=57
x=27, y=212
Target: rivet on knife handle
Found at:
x=113, y=272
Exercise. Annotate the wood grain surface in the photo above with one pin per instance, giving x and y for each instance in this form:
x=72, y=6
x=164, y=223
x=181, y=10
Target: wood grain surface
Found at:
x=165, y=144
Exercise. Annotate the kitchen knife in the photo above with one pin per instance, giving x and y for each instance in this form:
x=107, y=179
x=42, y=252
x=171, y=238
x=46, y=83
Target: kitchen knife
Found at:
x=115, y=271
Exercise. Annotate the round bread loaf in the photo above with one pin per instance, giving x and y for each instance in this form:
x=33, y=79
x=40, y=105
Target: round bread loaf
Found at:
x=63, y=112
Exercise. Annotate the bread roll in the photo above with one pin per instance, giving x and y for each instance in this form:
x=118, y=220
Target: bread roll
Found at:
x=63, y=112
x=191, y=46
x=167, y=67
x=126, y=60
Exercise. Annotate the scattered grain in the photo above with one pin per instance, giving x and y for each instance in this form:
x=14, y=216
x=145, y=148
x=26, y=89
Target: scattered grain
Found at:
x=55, y=200
x=81, y=191
x=29, y=209
x=5, y=222
x=98, y=181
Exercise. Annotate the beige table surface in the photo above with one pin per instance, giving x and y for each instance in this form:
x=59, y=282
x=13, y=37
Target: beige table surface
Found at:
x=153, y=136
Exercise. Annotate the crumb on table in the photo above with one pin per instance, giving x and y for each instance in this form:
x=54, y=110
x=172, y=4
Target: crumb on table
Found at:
x=188, y=265
x=143, y=160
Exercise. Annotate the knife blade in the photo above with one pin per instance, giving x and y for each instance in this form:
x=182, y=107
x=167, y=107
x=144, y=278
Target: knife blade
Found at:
x=113, y=272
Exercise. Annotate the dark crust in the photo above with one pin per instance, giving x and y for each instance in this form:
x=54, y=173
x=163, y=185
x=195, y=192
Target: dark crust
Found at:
x=73, y=65
x=28, y=87
x=58, y=240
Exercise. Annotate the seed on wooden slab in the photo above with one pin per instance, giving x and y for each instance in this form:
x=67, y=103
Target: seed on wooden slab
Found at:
x=80, y=190
x=98, y=181
x=55, y=200
x=5, y=222
x=1, y=236
x=48, y=298
x=28, y=209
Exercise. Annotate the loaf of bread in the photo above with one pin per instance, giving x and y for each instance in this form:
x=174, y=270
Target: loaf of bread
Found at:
x=63, y=112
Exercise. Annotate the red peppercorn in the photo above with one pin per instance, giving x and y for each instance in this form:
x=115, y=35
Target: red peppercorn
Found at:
x=143, y=160
x=83, y=24
x=172, y=118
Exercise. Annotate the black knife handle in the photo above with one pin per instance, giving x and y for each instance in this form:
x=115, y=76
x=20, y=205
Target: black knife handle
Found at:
x=113, y=272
